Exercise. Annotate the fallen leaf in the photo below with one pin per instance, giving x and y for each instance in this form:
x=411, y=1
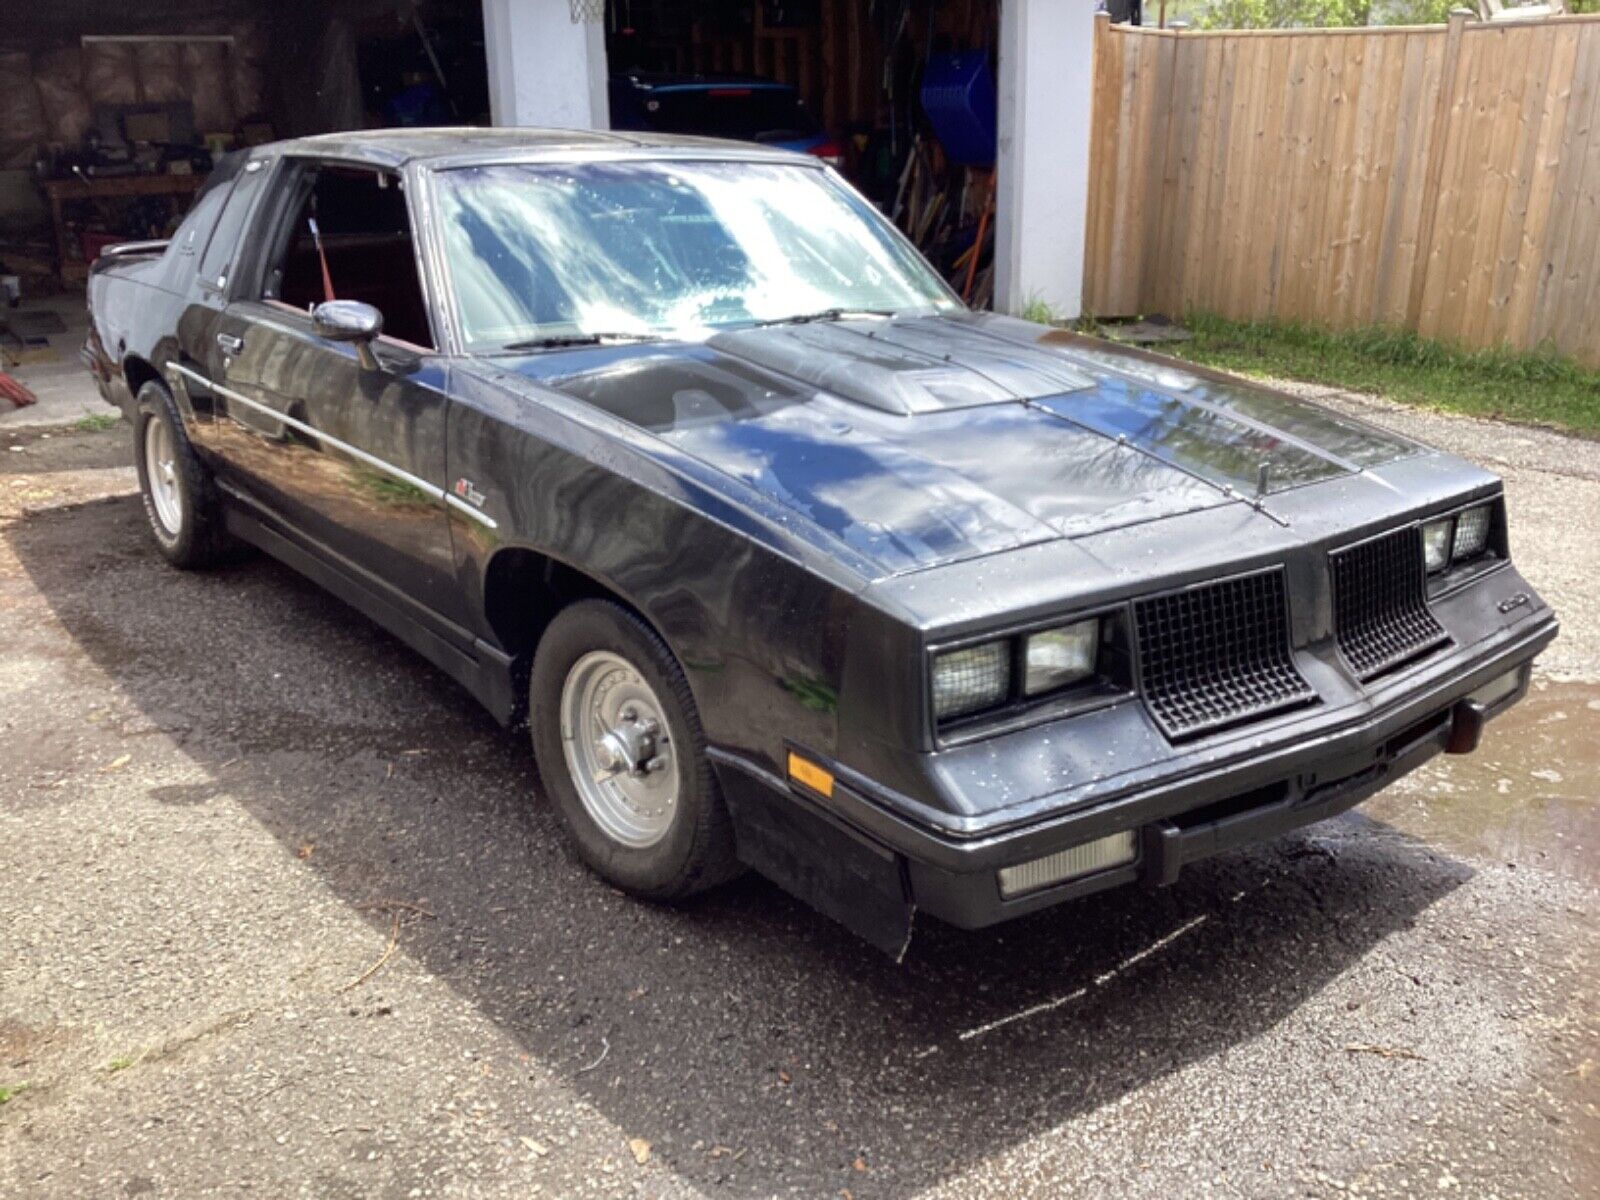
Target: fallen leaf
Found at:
x=305, y=849
x=1384, y=1051
x=534, y=1147
x=783, y=1077
x=641, y=1150
x=860, y=1164
x=116, y=764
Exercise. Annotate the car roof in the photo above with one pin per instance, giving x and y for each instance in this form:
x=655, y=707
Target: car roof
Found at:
x=465, y=145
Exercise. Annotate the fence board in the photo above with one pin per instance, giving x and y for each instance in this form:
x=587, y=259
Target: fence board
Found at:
x=1532, y=232
x=1445, y=179
x=1574, y=263
x=1554, y=234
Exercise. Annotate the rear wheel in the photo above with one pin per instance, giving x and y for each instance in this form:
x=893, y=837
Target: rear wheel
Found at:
x=180, y=501
x=622, y=754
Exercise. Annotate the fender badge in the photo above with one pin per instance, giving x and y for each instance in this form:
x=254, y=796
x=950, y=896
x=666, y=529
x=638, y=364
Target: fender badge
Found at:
x=1520, y=600
x=467, y=490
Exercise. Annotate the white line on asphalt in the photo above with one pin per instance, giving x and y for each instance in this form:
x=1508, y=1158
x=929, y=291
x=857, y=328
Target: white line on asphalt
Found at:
x=1160, y=943
x=980, y=1030
x=1035, y=1010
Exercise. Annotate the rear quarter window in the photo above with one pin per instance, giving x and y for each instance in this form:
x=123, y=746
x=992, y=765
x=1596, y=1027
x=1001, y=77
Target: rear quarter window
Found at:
x=194, y=232
x=221, y=248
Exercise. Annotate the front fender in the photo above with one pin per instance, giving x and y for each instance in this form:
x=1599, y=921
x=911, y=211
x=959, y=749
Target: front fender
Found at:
x=759, y=633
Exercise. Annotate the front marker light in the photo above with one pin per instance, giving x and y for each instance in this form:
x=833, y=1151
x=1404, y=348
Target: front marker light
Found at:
x=1057, y=657
x=1472, y=533
x=967, y=680
x=1114, y=850
x=1436, y=547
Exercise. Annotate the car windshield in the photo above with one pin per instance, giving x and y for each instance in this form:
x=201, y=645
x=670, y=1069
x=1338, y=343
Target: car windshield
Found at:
x=557, y=254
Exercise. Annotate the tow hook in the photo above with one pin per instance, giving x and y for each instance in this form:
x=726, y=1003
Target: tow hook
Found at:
x=1467, y=720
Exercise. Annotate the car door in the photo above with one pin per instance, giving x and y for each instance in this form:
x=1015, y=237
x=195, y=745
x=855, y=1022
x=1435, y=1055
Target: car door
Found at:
x=348, y=458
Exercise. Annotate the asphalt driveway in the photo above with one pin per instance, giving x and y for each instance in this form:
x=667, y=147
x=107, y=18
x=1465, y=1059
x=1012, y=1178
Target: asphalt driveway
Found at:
x=283, y=913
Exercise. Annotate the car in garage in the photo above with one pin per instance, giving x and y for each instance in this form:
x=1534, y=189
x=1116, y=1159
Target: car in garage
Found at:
x=746, y=108
x=678, y=451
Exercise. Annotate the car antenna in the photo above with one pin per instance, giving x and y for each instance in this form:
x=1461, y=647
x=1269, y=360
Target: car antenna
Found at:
x=1262, y=476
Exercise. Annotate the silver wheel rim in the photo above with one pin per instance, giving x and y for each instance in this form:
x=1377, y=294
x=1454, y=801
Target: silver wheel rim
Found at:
x=161, y=469
x=619, y=754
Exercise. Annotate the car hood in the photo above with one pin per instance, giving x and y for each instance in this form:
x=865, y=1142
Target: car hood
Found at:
x=924, y=441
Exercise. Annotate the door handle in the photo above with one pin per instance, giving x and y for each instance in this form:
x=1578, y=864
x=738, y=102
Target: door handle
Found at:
x=229, y=343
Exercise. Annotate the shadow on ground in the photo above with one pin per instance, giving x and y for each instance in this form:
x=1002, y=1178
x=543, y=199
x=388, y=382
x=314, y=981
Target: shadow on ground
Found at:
x=742, y=1021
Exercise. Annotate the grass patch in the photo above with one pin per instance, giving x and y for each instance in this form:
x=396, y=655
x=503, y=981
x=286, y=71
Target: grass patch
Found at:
x=97, y=423
x=1535, y=389
x=9, y=1092
x=1037, y=311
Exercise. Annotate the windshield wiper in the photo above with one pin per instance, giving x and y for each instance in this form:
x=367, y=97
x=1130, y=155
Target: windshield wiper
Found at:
x=829, y=314
x=557, y=340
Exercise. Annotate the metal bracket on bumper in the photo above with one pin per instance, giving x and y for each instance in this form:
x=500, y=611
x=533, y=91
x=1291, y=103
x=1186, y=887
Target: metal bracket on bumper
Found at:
x=1168, y=846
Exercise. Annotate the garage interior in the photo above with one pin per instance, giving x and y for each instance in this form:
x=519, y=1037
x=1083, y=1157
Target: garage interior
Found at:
x=111, y=115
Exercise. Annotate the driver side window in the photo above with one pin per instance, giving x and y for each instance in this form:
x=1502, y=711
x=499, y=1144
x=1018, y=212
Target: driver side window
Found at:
x=350, y=239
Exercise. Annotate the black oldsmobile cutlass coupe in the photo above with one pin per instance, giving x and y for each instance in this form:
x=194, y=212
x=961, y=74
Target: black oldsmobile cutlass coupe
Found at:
x=678, y=449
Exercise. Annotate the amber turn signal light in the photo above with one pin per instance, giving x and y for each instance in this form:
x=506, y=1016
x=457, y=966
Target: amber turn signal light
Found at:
x=804, y=771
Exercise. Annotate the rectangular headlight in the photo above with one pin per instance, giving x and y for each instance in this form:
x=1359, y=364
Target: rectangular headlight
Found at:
x=1472, y=532
x=1436, y=536
x=971, y=679
x=1056, y=657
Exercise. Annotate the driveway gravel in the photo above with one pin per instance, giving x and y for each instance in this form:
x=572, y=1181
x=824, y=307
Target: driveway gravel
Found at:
x=282, y=913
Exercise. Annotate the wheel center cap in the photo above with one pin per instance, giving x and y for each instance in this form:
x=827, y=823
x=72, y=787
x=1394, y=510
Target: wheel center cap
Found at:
x=624, y=748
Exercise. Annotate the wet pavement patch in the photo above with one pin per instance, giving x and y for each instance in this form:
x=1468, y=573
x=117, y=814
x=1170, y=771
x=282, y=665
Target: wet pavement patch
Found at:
x=1529, y=797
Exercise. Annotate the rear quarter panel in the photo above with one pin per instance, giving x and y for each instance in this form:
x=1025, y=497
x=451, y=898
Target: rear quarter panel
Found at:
x=133, y=315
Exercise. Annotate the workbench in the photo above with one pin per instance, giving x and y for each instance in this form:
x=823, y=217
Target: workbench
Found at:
x=180, y=189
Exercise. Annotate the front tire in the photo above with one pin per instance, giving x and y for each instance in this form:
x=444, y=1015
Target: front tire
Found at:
x=622, y=754
x=180, y=501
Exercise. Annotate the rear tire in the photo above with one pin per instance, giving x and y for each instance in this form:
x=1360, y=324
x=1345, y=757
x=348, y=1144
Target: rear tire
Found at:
x=180, y=499
x=622, y=754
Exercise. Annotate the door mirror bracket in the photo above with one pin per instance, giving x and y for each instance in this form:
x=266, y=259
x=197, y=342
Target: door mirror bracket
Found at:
x=349, y=321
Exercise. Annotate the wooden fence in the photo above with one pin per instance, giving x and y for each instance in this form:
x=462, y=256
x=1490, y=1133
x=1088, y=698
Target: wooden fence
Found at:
x=1438, y=178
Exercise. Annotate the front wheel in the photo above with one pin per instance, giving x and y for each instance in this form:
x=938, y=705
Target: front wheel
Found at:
x=622, y=754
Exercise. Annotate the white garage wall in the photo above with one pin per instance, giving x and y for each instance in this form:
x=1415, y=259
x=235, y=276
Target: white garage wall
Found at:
x=544, y=67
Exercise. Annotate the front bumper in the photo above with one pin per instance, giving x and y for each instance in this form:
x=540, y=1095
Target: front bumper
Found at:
x=857, y=859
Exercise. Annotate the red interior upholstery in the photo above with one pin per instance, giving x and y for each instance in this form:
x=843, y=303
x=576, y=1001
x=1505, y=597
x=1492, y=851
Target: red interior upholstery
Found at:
x=378, y=269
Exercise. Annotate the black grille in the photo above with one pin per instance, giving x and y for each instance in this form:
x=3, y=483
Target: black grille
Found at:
x=1380, y=605
x=1218, y=655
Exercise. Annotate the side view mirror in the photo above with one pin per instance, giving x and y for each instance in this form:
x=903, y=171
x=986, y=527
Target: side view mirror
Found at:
x=349, y=321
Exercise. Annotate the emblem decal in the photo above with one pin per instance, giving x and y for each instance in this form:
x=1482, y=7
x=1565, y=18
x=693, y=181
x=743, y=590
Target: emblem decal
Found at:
x=468, y=491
